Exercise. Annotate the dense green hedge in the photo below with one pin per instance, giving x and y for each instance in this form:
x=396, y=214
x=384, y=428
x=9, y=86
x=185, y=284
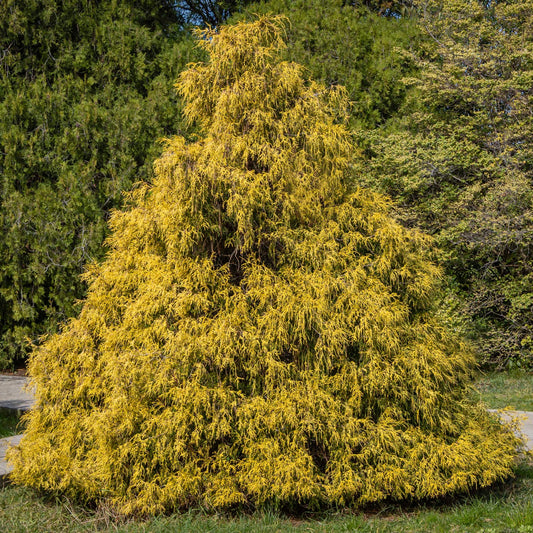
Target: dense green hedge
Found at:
x=353, y=46
x=86, y=89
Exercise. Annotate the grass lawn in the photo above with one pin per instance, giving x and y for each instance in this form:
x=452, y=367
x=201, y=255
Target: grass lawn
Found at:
x=9, y=425
x=505, y=508
x=507, y=389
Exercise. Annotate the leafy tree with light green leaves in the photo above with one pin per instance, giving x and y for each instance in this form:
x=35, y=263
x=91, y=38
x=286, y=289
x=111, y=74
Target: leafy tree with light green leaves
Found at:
x=86, y=91
x=261, y=331
x=459, y=163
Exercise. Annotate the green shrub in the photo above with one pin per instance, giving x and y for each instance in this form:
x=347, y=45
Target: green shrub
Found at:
x=86, y=94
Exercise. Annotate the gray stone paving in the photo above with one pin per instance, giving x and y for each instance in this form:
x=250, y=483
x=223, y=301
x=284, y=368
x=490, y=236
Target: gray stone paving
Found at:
x=13, y=395
x=527, y=427
x=526, y=424
x=5, y=468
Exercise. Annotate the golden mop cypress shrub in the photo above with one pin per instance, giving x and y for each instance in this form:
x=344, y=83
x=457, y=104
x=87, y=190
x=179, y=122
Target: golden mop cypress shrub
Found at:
x=261, y=332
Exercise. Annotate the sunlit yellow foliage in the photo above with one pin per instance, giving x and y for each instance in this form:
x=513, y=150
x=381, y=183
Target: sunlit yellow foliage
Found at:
x=260, y=332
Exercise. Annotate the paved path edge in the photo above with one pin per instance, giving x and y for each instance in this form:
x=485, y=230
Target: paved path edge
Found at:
x=5, y=467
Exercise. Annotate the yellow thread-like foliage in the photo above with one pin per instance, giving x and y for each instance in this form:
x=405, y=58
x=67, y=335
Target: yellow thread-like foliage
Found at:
x=261, y=332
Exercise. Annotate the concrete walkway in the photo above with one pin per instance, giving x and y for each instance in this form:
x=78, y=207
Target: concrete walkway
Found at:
x=5, y=468
x=12, y=393
x=526, y=423
x=13, y=396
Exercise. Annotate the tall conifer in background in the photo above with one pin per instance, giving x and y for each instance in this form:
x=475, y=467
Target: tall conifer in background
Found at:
x=261, y=332
x=350, y=44
x=207, y=12
x=85, y=92
x=460, y=164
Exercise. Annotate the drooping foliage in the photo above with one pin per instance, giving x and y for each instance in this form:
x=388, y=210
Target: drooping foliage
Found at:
x=350, y=44
x=460, y=164
x=261, y=332
x=86, y=89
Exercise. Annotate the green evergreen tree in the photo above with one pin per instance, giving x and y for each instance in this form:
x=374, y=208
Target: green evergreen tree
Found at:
x=86, y=88
x=349, y=44
x=387, y=8
x=260, y=332
x=207, y=12
x=459, y=162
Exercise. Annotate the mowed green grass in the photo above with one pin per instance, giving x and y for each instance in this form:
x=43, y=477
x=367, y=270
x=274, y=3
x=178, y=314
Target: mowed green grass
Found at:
x=507, y=389
x=507, y=507
x=9, y=424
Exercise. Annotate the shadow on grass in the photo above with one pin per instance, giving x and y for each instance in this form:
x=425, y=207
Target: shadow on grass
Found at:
x=507, y=506
x=10, y=423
